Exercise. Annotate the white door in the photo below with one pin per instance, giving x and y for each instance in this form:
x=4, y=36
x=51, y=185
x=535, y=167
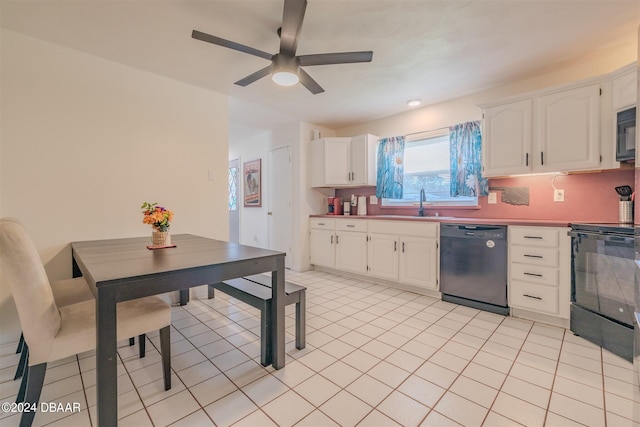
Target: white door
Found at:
x=321, y=248
x=419, y=262
x=279, y=212
x=234, y=216
x=351, y=251
x=336, y=161
x=383, y=256
x=569, y=129
x=508, y=135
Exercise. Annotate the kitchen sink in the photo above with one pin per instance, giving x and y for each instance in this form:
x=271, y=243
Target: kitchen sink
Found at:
x=431, y=217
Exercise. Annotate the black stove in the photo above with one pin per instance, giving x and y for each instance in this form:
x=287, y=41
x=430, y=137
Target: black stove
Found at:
x=605, y=228
x=602, y=285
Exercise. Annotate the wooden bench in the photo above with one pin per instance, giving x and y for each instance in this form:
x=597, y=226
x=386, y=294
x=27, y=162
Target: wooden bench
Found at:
x=256, y=291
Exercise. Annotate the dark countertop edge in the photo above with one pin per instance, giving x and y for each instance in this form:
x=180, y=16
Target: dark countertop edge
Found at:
x=451, y=220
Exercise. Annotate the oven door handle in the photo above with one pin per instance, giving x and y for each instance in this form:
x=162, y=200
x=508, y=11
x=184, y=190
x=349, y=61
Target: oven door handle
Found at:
x=605, y=237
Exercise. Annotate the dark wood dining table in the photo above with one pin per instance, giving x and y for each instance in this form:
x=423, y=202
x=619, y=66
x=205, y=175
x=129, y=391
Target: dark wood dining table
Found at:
x=124, y=269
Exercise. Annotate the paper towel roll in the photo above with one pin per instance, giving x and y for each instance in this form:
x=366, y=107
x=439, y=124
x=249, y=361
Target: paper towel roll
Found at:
x=362, y=205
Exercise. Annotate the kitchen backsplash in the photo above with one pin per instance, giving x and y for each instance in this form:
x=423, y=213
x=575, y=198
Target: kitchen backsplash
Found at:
x=588, y=197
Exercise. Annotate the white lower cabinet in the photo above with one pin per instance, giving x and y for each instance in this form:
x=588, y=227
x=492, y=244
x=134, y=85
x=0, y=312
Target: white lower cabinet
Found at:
x=419, y=262
x=351, y=245
x=398, y=251
x=321, y=242
x=404, y=251
x=383, y=256
x=540, y=270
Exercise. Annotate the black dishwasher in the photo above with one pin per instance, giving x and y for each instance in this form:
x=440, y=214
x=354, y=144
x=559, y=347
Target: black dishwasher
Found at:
x=473, y=266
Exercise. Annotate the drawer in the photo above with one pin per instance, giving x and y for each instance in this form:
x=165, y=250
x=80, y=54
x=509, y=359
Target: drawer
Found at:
x=534, y=255
x=351, y=225
x=406, y=228
x=534, y=274
x=322, y=223
x=533, y=236
x=533, y=297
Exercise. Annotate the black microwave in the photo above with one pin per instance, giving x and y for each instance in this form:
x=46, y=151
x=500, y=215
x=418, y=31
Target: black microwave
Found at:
x=626, y=135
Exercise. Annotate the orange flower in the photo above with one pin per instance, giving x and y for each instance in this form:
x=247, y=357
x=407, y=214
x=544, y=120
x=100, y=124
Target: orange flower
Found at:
x=156, y=216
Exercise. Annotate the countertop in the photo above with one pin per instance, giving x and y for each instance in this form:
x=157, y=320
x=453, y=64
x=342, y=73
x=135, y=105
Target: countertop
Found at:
x=456, y=220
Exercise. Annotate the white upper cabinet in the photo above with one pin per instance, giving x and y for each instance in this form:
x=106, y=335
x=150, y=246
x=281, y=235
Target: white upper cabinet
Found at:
x=336, y=161
x=343, y=162
x=556, y=131
x=363, y=159
x=625, y=89
x=508, y=128
x=568, y=132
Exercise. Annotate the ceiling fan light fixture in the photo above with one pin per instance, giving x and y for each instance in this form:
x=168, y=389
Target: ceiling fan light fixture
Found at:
x=414, y=102
x=285, y=78
x=286, y=70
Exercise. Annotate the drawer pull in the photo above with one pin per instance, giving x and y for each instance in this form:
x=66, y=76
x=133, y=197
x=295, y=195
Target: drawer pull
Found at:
x=350, y=225
x=533, y=237
x=533, y=274
x=532, y=297
x=533, y=256
x=321, y=223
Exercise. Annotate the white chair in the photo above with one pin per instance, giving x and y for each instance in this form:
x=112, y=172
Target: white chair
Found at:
x=53, y=333
x=65, y=292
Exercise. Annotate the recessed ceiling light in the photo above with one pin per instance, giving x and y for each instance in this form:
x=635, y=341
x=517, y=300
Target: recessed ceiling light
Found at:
x=414, y=102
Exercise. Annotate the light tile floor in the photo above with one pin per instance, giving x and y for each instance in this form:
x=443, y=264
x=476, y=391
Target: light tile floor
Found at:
x=375, y=356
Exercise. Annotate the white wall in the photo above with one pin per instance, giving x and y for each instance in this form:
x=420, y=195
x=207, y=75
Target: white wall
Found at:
x=253, y=221
x=85, y=141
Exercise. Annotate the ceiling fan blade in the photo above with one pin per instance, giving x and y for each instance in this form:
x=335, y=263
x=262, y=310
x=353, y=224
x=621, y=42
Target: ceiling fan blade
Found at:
x=335, y=58
x=229, y=44
x=292, y=18
x=309, y=83
x=255, y=76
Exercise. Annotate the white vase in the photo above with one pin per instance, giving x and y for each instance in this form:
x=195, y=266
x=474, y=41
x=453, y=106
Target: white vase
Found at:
x=160, y=238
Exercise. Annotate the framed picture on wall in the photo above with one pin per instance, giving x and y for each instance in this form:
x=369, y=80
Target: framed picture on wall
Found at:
x=252, y=183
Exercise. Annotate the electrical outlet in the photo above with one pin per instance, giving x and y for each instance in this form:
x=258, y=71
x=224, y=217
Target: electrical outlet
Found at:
x=558, y=195
x=492, y=199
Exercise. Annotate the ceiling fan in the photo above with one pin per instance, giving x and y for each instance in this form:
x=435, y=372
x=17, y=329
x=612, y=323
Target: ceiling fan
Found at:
x=285, y=67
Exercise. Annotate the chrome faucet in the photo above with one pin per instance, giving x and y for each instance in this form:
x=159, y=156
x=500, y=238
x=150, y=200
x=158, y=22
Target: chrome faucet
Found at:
x=422, y=199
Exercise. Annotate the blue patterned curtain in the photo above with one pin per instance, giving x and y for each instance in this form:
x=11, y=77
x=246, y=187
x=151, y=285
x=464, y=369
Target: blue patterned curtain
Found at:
x=466, y=160
x=390, y=167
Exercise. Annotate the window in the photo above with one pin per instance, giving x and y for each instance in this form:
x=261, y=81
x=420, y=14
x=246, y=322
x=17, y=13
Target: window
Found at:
x=427, y=165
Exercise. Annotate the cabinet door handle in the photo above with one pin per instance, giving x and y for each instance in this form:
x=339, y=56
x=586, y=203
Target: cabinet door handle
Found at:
x=402, y=247
x=533, y=256
x=332, y=239
x=542, y=158
x=395, y=246
x=533, y=237
x=336, y=240
x=526, y=159
x=532, y=297
x=533, y=274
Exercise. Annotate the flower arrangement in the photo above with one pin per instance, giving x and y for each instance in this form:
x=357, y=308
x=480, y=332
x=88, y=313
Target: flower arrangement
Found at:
x=157, y=216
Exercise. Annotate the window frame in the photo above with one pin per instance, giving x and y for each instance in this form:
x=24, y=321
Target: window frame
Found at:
x=467, y=203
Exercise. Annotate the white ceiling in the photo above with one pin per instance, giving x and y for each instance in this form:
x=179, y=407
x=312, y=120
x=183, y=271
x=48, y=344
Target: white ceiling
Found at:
x=429, y=49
